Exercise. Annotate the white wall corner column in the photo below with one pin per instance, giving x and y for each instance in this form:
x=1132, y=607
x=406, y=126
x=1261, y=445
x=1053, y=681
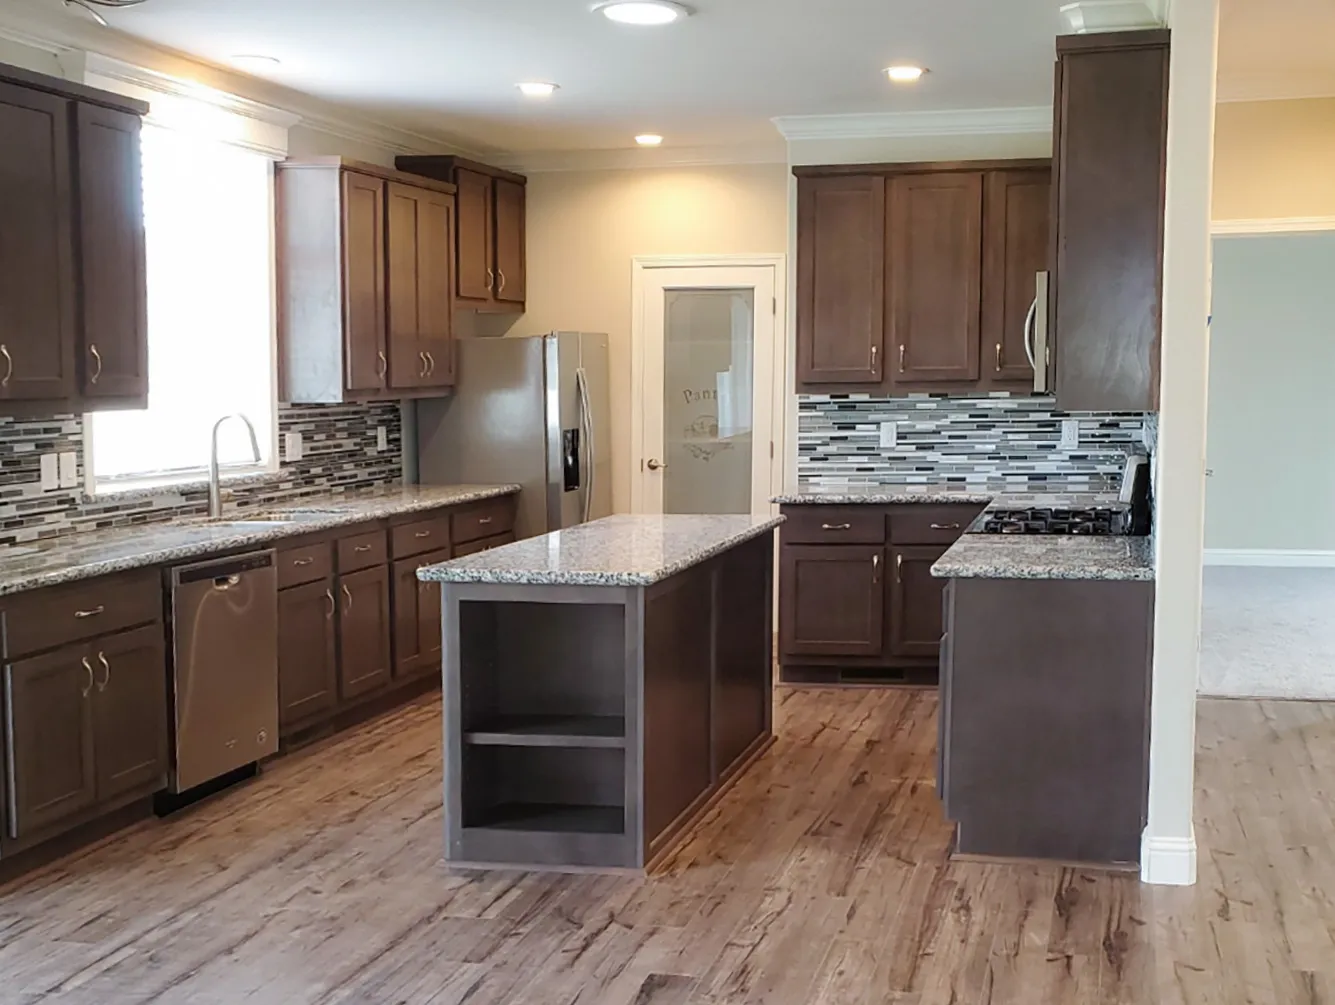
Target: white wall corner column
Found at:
x=1168, y=853
x=1083, y=16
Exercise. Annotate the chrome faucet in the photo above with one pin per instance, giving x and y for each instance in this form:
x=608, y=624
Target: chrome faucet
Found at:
x=215, y=493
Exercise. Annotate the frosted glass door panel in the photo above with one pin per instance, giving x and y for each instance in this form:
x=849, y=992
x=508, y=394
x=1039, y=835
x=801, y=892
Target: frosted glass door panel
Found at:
x=708, y=381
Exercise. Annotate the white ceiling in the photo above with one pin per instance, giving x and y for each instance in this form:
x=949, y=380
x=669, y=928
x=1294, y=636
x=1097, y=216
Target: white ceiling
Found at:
x=447, y=68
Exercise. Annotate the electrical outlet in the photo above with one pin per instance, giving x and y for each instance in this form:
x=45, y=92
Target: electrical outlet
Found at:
x=69, y=469
x=889, y=435
x=381, y=438
x=292, y=446
x=1070, y=433
x=50, y=474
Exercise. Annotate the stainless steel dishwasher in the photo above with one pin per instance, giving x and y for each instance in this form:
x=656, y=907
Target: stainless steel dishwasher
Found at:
x=225, y=665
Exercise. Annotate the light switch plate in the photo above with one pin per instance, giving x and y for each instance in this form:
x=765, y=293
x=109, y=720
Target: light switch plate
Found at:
x=889, y=435
x=50, y=472
x=69, y=469
x=1070, y=433
x=381, y=438
x=292, y=447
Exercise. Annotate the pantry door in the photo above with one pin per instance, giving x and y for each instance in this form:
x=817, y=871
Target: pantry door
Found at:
x=707, y=419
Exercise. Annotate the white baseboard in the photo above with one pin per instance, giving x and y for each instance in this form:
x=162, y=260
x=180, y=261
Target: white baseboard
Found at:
x=1271, y=558
x=1168, y=861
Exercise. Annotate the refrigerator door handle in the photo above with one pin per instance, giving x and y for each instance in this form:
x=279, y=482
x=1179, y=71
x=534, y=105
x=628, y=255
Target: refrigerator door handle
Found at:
x=586, y=430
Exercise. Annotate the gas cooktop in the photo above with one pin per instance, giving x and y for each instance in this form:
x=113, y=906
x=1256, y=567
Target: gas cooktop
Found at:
x=1095, y=521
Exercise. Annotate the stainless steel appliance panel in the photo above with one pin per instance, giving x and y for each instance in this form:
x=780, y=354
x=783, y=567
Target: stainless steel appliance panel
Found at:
x=490, y=431
x=225, y=665
x=594, y=356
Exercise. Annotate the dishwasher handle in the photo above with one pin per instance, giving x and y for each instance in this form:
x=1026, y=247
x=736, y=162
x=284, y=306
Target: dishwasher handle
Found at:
x=224, y=572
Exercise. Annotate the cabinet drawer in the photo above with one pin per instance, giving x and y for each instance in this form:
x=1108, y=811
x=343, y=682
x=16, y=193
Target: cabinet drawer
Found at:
x=833, y=525
x=490, y=519
x=422, y=536
x=53, y=617
x=931, y=524
x=305, y=564
x=362, y=551
x=486, y=544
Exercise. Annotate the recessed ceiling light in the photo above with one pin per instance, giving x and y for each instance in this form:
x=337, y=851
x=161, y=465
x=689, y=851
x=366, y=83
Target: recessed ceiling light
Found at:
x=905, y=73
x=649, y=139
x=536, y=88
x=254, y=61
x=643, y=11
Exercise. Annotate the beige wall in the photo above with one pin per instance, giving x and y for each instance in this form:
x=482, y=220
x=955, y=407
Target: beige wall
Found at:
x=1274, y=159
x=585, y=227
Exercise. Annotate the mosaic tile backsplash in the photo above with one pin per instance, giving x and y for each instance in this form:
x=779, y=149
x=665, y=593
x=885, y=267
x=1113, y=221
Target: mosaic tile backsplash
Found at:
x=338, y=453
x=993, y=441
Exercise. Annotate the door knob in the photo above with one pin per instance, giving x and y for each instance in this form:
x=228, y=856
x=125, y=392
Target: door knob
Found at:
x=654, y=464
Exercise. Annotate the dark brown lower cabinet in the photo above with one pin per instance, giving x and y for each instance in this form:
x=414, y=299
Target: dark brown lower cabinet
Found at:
x=833, y=599
x=307, y=652
x=365, y=627
x=416, y=616
x=130, y=712
x=49, y=739
x=915, y=601
x=486, y=544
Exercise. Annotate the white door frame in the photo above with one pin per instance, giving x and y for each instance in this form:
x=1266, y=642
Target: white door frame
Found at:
x=641, y=266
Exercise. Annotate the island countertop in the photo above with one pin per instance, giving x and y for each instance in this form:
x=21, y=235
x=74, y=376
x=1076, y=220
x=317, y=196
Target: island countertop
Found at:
x=85, y=555
x=620, y=550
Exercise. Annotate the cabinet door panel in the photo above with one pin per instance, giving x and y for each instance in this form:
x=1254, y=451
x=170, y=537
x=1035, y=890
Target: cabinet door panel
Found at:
x=475, y=272
x=510, y=239
x=1015, y=249
x=833, y=600
x=307, y=653
x=435, y=294
x=364, y=282
x=37, y=303
x=915, y=601
x=111, y=255
x=130, y=702
x=416, y=616
x=840, y=280
x=365, y=627
x=934, y=276
x=403, y=236
x=49, y=739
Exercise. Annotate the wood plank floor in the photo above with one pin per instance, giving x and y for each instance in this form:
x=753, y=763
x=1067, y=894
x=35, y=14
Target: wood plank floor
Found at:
x=821, y=878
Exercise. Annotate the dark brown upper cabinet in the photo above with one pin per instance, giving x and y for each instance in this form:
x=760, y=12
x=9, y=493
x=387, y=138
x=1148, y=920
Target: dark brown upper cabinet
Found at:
x=490, y=239
x=934, y=276
x=910, y=276
x=73, y=317
x=1016, y=239
x=365, y=280
x=840, y=280
x=1110, y=143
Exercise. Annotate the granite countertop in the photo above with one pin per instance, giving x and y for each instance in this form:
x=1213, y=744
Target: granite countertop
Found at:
x=1037, y=556
x=96, y=553
x=614, y=551
x=942, y=493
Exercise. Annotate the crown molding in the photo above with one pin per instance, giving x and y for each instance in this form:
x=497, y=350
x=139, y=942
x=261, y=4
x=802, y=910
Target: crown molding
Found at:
x=543, y=162
x=1282, y=85
x=1276, y=225
x=885, y=125
x=1084, y=17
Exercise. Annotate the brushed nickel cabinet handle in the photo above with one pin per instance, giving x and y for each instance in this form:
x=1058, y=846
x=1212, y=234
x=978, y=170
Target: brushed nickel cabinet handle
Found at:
x=500, y=281
x=422, y=533
x=945, y=526
x=384, y=365
x=901, y=357
x=873, y=359
x=836, y=526
x=425, y=366
x=899, y=568
x=299, y=562
x=347, y=599
x=9, y=365
x=491, y=279
x=430, y=364
x=106, y=672
x=329, y=596
x=875, y=569
x=97, y=358
x=91, y=612
x=998, y=357
x=83, y=693
x=362, y=549
x=484, y=520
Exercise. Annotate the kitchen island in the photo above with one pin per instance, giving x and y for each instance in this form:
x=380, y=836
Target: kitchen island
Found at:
x=603, y=685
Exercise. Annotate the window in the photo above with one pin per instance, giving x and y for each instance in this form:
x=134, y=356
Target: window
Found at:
x=208, y=220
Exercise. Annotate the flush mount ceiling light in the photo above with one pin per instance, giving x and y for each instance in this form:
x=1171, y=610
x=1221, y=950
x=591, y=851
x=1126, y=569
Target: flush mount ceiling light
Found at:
x=649, y=12
x=649, y=139
x=254, y=61
x=537, y=88
x=89, y=7
x=905, y=73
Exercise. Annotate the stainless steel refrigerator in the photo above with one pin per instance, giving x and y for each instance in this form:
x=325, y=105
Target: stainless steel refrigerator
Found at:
x=533, y=411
